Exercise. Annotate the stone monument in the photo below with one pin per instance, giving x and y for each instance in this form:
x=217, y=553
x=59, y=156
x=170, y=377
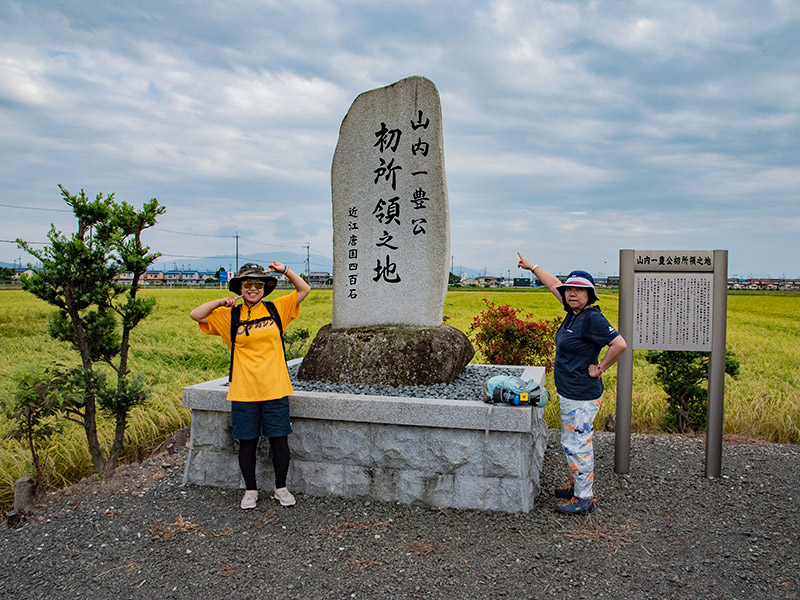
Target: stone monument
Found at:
x=391, y=246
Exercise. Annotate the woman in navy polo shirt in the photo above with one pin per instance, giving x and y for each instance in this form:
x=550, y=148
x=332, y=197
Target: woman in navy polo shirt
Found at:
x=578, y=374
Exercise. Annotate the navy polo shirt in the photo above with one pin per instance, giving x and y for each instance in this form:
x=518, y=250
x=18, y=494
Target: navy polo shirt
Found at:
x=578, y=343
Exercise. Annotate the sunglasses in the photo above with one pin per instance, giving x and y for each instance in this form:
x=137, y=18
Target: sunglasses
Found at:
x=252, y=283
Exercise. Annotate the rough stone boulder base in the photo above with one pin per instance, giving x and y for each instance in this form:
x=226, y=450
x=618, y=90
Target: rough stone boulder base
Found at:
x=391, y=229
x=390, y=355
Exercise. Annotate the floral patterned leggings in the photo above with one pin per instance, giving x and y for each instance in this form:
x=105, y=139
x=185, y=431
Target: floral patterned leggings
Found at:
x=577, y=418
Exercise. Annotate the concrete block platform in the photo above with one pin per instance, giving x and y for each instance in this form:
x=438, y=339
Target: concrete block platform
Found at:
x=450, y=452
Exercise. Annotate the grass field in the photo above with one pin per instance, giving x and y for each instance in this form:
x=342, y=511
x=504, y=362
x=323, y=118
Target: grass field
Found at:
x=169, y=351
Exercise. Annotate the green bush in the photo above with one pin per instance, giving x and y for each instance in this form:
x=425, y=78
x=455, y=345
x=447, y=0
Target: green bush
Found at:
x=681, y=374
x=37, y=400
x=505, y=338
x=295, y=341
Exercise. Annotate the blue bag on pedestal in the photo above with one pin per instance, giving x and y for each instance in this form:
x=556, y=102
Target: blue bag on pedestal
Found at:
x=507, y=389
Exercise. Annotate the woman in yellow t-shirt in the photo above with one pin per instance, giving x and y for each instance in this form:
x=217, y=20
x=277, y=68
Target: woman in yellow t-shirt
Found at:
x=260, y=386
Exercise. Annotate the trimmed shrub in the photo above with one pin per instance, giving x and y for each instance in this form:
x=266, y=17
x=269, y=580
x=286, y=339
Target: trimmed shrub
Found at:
x=505, y=337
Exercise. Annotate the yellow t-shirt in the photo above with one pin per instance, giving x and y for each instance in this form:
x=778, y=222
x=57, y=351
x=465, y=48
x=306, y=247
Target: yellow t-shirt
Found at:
x=259, y=367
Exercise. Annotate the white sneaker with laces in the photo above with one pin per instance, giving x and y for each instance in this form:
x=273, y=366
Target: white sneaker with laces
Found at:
x=284, y=496
x=249, y=499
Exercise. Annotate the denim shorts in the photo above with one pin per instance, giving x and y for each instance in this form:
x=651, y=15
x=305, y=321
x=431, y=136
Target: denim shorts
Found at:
x=269, y=418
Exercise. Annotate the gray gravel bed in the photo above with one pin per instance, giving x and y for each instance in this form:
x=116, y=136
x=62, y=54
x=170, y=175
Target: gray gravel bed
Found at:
x=663, y=531
x=469, y=384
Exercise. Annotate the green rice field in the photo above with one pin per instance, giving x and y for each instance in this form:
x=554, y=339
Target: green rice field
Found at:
x=170, y=352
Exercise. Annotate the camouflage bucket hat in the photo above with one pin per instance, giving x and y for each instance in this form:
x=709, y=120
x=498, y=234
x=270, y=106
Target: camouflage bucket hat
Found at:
x=252, y=271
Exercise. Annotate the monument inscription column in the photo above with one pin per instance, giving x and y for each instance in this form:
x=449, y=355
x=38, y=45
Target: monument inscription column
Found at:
x=391, y=227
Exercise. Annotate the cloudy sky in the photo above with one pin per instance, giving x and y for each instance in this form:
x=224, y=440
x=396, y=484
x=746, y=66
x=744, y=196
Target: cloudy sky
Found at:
x=572, y=128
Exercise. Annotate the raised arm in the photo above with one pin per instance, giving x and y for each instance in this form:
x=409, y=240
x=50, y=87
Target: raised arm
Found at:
x=298, y=282
x=551, y=282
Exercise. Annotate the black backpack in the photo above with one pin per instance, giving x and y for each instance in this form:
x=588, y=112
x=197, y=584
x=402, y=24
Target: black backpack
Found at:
x=235, y=322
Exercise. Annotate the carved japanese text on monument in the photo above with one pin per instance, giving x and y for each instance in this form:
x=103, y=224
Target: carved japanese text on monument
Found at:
x=390, y=209
x=672, y=311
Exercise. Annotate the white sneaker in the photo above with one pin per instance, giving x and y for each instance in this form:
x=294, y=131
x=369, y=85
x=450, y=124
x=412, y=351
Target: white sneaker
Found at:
x=284, y=496
x=249, y=499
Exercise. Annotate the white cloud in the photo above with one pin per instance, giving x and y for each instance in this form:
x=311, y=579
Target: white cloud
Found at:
x=568, y=172
x=20, y=78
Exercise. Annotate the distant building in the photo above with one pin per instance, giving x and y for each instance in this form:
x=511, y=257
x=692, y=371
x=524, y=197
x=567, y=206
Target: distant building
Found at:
x=487, y=281
x=153, y=278
x=183, y=278
x=758, y=283
x=318, y=277
x=125, y=277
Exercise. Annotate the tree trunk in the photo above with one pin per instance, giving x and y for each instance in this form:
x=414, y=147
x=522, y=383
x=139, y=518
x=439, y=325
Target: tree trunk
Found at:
x=117, y=446
x=90, y=404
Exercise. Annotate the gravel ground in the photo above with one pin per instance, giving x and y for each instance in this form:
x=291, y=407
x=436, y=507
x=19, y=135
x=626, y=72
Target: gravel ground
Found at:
x=664, y=531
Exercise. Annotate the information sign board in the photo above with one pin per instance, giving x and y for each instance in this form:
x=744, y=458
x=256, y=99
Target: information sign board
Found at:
x=672, y=311
x=672, y=300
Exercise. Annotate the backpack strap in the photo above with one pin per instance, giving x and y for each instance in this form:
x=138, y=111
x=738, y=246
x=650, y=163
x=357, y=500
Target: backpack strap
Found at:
x=273, y=312
x=235, y=312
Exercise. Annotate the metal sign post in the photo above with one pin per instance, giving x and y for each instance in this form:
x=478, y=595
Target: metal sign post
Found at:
x=716, y=367
x=672, y=300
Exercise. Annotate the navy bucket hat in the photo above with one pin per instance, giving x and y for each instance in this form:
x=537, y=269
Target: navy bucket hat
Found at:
x=580, y=279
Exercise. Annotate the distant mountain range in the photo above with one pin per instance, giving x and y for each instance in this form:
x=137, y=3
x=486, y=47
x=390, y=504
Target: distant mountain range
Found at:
x=295, y=260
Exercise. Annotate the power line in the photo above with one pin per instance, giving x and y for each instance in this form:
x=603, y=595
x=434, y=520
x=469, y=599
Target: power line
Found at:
x=270, y=245
x=259, y=243
x=190, y=256
x=35, y=208
x=157, y=228
x=194, y=234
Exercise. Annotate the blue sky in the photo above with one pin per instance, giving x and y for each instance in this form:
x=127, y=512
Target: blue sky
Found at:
x=572, y=129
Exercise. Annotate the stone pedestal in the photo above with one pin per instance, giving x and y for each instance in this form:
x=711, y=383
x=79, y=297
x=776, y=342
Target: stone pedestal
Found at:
x=387, y=355
x=458, y=453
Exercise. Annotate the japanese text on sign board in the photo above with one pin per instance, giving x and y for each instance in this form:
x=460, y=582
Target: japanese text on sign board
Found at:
x=673, y=260
x=672, y=311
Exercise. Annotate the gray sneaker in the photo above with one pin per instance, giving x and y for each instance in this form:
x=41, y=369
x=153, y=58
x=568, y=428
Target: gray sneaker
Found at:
x=249, y=499
x=284, y=496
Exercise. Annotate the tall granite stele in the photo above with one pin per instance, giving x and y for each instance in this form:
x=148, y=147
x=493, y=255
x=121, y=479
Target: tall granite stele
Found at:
x=391, y=246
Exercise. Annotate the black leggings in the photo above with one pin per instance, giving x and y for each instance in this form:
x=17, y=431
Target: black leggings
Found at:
x=280, y=460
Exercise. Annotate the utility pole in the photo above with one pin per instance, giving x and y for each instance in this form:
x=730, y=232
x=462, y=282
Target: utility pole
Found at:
x=237, y=250
x=308, y=261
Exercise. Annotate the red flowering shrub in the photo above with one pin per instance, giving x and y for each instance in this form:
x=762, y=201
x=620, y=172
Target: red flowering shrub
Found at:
x=506, y=339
